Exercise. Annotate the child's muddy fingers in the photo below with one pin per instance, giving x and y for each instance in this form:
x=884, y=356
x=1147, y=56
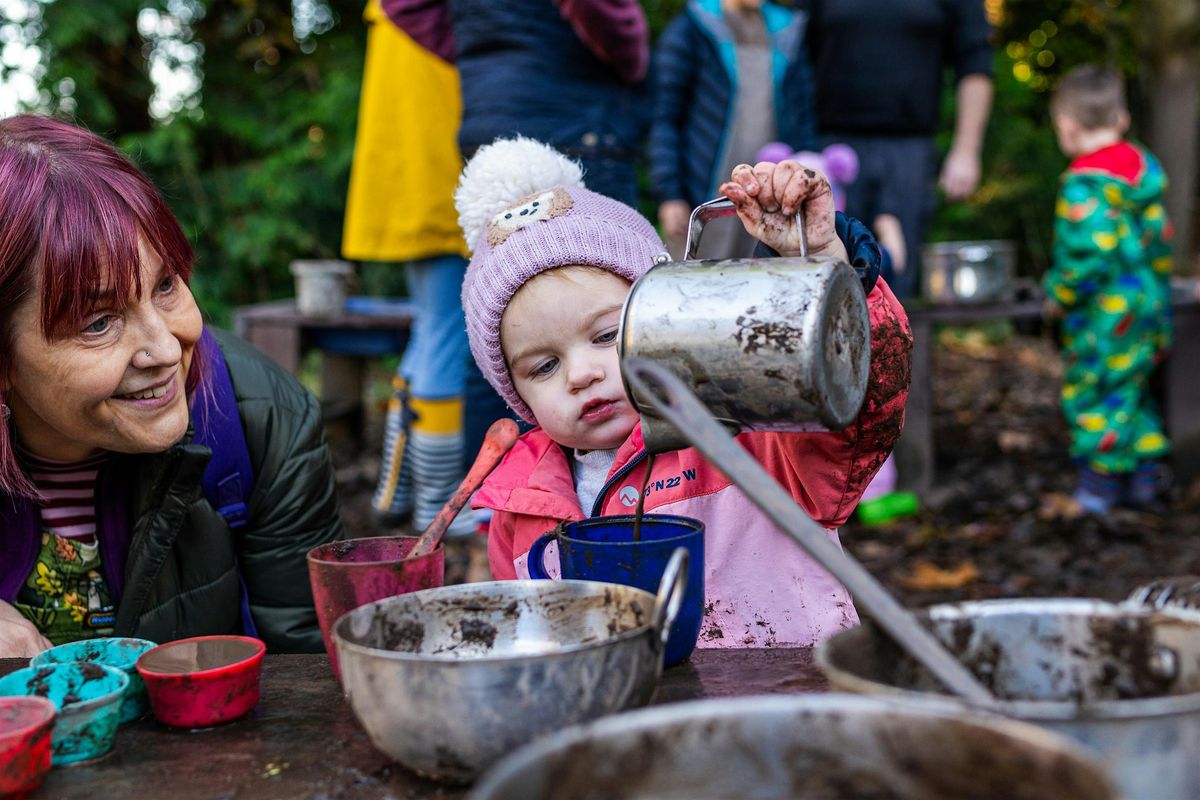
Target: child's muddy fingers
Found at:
x=735, y=192
x=743, y=174
x=765, y=173
x=747, y=207
x=793, y=184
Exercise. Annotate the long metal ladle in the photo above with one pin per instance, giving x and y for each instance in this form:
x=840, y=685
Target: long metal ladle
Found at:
x=674, y=402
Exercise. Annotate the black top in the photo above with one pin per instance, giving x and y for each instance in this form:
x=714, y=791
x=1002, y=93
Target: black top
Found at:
x=879, y=64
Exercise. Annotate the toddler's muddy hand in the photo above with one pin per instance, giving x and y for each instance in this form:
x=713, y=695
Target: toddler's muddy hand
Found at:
x=767, y=197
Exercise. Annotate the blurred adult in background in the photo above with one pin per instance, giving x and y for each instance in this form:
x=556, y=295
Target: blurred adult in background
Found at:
x=570, y=73
x=879, y=69
x=116, y=403
x=400, y=219
x=730, y=76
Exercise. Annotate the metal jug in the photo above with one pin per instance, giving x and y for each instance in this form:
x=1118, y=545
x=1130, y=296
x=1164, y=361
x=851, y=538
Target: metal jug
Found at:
x=778, y=344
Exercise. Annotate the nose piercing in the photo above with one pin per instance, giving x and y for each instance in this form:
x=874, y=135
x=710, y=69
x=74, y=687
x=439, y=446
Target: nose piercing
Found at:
x=147, y=352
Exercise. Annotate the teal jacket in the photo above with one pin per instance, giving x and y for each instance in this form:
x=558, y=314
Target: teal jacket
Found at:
x=695, y=86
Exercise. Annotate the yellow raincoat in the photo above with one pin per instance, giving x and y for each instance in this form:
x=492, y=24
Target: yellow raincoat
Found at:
x=400, y=205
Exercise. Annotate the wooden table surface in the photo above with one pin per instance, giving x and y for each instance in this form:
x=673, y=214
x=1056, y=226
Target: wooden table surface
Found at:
x=303, y=742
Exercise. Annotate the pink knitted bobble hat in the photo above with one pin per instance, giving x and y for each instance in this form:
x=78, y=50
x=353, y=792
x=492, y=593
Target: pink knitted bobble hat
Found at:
x=524, y=210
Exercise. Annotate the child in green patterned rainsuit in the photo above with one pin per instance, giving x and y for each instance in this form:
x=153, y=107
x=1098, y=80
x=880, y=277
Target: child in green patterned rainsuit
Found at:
x=1110, y=285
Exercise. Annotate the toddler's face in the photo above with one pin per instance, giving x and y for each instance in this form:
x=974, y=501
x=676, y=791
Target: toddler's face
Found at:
x=559, y=335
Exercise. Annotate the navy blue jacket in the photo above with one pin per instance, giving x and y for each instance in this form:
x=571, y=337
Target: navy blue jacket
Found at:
x=525, y=71
x=695, y=72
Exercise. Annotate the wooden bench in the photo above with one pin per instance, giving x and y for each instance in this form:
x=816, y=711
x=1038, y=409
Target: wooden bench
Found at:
x=916, y=453
x=368, y=329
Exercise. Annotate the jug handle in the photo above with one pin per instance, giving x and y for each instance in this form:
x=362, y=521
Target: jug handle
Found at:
x=537, y=551
x=716, y=209
x=671, y=589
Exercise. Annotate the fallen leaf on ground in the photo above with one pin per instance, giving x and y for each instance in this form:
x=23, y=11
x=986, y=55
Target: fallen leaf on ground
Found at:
x=1057, y=505
x=869, y=550
x=1015, y=441
x=980, y=532
x=972, y=341
x=930, y=577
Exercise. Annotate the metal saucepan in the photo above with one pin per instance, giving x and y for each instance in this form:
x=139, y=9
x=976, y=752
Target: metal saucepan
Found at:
x=956, y=273
x=767, y=344
x=673, y=402
x=447, y=680
x=820, y=747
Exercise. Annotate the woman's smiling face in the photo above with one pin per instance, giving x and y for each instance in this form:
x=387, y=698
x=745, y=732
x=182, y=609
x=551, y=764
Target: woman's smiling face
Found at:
x=116, y=384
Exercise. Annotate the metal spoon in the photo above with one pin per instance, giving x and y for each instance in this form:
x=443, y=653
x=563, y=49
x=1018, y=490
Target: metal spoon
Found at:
x=500, y=438
x=674, y=402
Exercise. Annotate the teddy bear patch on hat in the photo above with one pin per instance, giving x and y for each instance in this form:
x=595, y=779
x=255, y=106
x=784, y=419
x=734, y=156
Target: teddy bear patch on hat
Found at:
x=525, y=212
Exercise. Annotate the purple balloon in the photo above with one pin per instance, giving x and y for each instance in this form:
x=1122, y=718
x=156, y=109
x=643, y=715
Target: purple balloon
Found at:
x=841, y=163
x=775, y=152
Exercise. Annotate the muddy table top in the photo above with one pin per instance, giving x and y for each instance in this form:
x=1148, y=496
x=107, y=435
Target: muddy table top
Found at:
x=303, y=742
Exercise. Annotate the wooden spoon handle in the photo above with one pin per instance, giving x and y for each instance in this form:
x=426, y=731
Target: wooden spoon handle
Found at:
x=500, y=438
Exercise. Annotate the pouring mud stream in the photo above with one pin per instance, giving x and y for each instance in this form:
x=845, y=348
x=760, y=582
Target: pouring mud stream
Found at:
x=641, y=503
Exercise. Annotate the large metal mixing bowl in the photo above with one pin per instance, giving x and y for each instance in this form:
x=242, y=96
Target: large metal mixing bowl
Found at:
x=820, y=747
x=447, y=680
x=1123, y=681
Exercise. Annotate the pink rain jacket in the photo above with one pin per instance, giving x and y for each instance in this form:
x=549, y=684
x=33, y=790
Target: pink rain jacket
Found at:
x=762, y=589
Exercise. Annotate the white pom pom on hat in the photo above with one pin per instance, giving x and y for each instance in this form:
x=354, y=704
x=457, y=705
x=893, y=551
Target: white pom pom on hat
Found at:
x=505, y=171
x=524, y=210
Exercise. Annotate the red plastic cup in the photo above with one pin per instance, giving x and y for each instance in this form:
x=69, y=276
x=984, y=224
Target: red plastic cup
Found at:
x=203, y=681
x=353, y=572
x=25, y=725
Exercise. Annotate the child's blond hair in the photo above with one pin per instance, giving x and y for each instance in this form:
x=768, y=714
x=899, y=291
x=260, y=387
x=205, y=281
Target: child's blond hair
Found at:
x=1093, y=95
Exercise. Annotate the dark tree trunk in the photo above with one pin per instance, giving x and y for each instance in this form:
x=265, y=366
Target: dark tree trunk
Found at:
x=1174, y=94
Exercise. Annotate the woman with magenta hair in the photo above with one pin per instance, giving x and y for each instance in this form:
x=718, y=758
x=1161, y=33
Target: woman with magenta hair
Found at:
x=158, y=479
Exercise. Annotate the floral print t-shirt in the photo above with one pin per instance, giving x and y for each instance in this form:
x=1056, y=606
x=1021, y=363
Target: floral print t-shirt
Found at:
x=66, y=596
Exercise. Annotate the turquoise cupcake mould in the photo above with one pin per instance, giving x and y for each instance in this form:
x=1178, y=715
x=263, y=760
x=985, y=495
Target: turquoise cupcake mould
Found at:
x=111, y=651
x=88, y=697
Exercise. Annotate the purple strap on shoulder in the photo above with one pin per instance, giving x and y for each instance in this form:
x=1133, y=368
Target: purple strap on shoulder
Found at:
x=228, y=479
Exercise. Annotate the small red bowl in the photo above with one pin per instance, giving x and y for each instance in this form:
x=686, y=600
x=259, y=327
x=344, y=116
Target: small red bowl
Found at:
x=202, y=681
x=25, y=725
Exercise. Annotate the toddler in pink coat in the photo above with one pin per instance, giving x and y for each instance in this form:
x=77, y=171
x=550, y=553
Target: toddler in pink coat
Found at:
x=552, y=264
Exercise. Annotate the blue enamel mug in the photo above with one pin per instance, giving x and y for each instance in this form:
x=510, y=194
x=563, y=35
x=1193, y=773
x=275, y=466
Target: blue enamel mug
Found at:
x=602, y=549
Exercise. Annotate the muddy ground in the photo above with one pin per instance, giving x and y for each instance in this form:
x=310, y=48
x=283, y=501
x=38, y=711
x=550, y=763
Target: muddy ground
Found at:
x=1000, y=523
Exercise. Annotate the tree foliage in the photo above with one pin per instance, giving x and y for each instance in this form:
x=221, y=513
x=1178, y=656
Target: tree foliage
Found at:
x=256, y=160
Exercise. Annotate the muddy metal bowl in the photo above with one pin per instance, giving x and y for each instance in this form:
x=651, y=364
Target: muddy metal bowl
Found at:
x=1125, y=682
x=961, y=273
x=819, y=747
x=448, y=680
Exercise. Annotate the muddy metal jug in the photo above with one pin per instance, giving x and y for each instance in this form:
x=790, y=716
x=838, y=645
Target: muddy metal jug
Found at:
x=776, y=344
